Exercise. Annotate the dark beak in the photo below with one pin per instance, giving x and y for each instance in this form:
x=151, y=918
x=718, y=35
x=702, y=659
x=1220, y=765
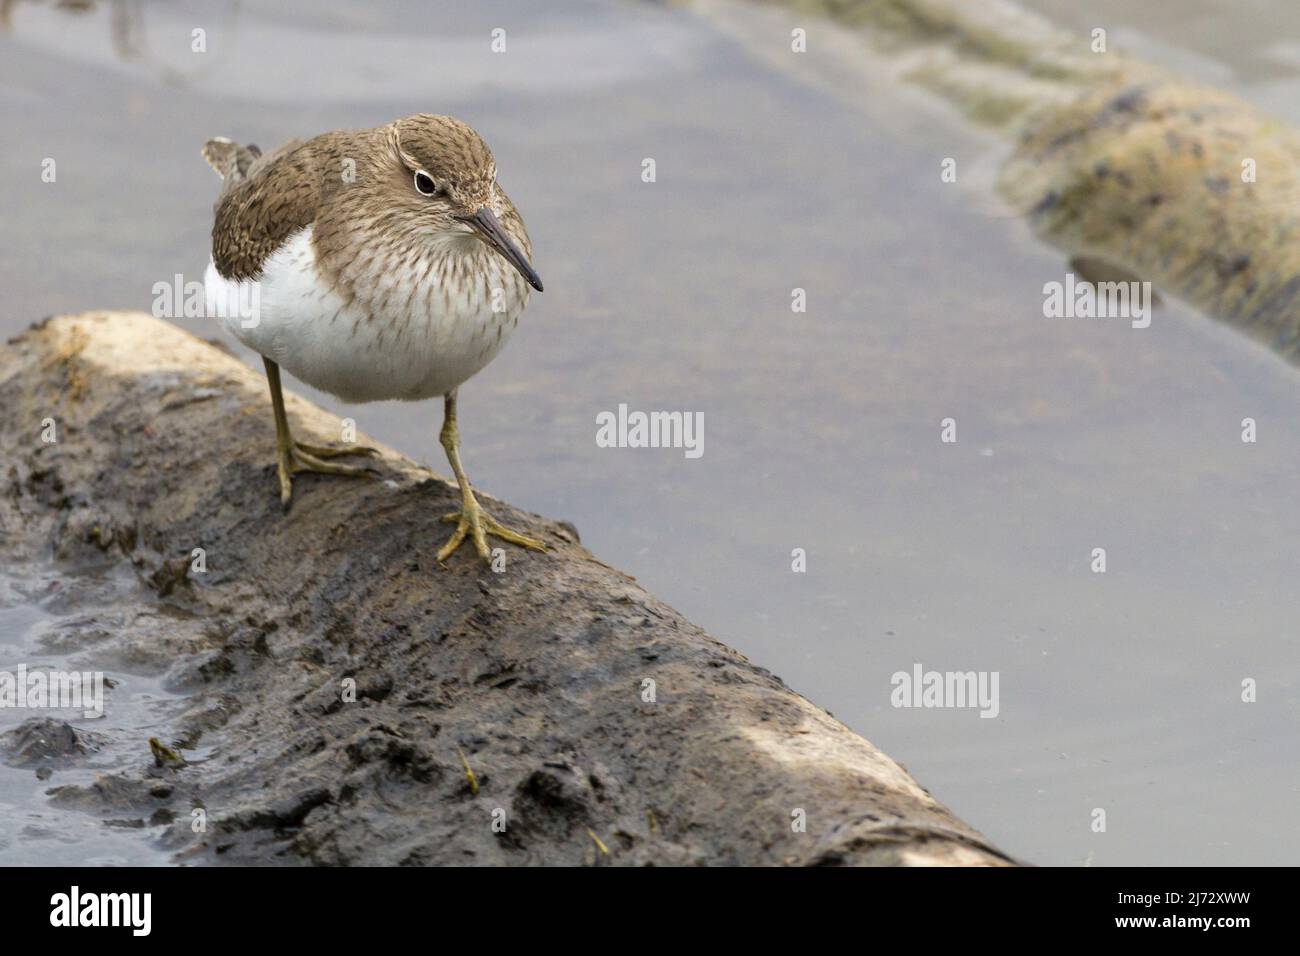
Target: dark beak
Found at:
x=490, y=231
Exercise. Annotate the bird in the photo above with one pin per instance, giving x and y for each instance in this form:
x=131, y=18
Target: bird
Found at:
x=383, y=263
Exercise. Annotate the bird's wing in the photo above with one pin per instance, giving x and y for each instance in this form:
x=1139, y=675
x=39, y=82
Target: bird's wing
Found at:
x=265, y=200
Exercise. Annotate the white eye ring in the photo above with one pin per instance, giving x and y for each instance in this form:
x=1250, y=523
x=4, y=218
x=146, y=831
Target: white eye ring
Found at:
x=424, y=183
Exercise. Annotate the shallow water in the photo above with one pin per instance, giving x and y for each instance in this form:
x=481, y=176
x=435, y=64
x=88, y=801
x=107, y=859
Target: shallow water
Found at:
x=1119, y=691
x=40, y=609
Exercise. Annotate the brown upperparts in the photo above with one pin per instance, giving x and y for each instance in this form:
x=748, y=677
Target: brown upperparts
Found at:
x=413, y=184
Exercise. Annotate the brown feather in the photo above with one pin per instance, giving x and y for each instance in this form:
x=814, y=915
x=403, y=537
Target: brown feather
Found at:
x=351, y=186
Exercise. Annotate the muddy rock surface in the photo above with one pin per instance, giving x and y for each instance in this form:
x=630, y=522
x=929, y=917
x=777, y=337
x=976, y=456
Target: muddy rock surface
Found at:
x=346, y=700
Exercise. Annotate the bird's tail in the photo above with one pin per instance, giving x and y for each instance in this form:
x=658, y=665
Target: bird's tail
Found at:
x=230, y=159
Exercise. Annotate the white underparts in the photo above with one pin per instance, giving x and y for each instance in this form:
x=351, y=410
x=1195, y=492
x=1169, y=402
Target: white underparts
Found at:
x=410, y=332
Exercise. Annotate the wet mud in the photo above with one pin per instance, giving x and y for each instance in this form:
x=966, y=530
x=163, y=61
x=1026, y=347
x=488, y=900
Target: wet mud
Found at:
x=342, y=699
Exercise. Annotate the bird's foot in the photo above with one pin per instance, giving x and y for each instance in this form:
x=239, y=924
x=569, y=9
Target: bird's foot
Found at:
x=475, y=523
x=300, y=457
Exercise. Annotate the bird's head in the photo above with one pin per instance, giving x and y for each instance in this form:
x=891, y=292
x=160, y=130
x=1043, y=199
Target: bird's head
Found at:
x=446, y=180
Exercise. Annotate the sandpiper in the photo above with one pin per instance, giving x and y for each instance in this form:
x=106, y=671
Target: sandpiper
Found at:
x=389, y=264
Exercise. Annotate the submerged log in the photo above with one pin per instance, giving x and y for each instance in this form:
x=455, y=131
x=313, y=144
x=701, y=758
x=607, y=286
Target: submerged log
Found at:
x=348, y=701
x=1113, y=160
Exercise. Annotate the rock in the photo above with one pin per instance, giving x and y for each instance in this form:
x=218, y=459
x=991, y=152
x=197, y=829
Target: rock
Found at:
x=351, y=702
x=45, y=743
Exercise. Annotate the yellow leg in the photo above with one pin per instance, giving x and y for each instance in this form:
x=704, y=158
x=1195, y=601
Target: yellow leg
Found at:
x=471, y=521
x=293, y=457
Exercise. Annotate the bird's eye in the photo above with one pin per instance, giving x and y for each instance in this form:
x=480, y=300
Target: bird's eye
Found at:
x=425, y=184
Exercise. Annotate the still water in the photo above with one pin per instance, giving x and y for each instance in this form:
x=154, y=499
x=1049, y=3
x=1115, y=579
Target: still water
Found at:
x=1119, y=691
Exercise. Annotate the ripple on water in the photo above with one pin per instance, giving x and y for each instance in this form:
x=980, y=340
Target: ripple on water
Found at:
x=48, y=622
